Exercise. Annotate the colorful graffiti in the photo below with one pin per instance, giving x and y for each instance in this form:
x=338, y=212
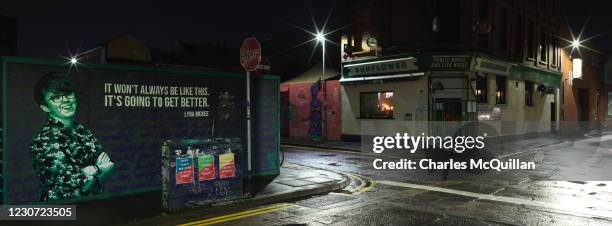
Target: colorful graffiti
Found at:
x=315, y=130
x=303, y=110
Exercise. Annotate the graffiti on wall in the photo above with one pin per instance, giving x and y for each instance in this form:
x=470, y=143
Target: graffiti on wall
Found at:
x=305, y=110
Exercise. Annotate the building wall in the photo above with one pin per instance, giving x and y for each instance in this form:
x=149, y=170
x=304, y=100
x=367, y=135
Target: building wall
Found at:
x=301, y=116
x=516, y=117
x=407, y=97
x=592, y=73
x=404, y=26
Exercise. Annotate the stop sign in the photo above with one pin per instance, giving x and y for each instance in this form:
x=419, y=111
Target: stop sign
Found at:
x=250, y=54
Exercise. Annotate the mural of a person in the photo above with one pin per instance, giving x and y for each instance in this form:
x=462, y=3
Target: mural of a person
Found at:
x=315, y=129
x=67, y=158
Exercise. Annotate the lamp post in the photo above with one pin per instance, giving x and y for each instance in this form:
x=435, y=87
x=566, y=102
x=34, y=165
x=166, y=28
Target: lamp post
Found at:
x=321, y=38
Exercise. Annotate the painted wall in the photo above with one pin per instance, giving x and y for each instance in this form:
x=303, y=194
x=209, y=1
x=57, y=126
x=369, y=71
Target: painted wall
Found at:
x=590, y=80
x=333, y=110
x=300, y=113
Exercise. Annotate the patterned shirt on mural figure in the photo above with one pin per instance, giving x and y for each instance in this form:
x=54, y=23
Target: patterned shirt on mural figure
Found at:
x=59, y=154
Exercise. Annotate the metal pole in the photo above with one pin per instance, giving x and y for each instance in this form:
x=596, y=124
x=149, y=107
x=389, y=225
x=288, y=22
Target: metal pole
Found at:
x=324, y=102
x=248, y=97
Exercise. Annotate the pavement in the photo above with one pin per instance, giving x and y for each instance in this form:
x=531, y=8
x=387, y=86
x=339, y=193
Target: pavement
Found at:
x=294, y=182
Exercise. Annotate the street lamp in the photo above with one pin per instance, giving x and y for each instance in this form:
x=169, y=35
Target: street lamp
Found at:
x=575, y=44
x=321, y=38
x=73, y=60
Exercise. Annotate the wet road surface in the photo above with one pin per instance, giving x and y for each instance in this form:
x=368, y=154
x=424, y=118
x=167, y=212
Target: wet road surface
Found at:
x=421, y=197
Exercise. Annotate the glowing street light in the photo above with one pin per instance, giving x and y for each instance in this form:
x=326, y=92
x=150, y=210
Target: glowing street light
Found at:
x=575, y=44
x=73, y=60
x=320, y=37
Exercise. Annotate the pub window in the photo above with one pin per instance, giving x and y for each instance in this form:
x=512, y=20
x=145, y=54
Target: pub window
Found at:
x=376, y=104
x=543, y=46
x=530, y=49
x=528, y=93
x=503, y=29
x=481, y=89
x=500, y=89
x=519, y=37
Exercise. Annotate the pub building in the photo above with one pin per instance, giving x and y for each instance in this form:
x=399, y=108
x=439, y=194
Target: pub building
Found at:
x=391, y=91
x=447, y=65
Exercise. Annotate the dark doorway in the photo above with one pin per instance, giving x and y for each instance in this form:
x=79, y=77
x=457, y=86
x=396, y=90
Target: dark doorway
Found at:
x=583, y=105
x=553, y=112
x=448, y=109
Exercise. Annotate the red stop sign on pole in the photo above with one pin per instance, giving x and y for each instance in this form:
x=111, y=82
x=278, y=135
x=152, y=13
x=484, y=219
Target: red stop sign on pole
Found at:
x=250, y=54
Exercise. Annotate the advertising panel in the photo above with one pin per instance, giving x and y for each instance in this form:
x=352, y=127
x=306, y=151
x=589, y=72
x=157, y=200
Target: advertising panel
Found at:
x=206, y=167
x=73, y=134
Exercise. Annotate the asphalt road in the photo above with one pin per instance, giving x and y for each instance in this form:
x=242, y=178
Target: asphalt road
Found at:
x=552, y=194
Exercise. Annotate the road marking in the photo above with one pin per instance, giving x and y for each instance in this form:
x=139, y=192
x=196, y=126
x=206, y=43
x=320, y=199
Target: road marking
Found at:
x=240, y=215
x=572, y=207
x=363, y=186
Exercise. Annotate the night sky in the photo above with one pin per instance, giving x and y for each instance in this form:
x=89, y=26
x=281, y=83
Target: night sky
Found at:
x=600, y=12
x=52, y=28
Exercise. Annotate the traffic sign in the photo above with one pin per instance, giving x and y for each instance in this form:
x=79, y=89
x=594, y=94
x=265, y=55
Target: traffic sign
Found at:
x=250, y=54
x=263, y=67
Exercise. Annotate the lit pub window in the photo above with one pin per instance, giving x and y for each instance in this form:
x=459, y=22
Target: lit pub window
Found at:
x=481, y=89
x=500, y=89
x=376, y=104
x=543, y=46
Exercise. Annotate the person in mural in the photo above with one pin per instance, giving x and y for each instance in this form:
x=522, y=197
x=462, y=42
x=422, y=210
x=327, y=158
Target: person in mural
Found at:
x=67, y=158
x=315, y=130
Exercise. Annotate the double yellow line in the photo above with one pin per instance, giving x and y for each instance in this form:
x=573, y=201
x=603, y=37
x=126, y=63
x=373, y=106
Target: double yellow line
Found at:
x=240, y=215
x=363, y=185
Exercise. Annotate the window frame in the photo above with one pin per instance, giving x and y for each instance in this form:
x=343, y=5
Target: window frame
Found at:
x=504, y=92
x=361, y=115
x=543, y=46
x=483, y=97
